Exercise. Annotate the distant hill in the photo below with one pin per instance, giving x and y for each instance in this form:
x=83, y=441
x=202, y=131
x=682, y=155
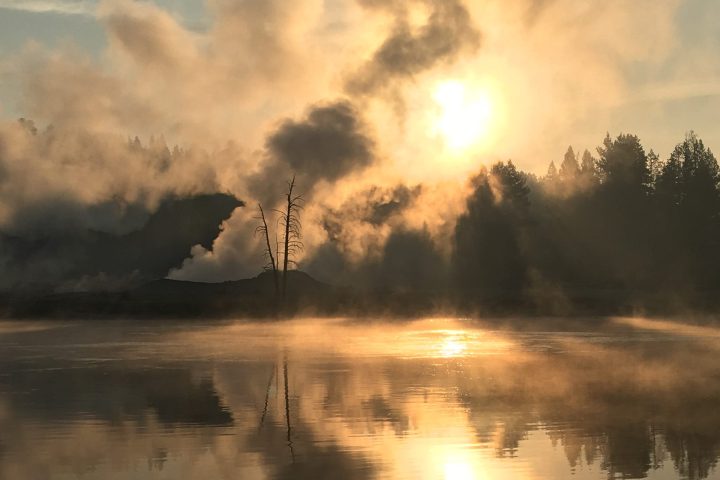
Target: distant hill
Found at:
x=175, y=298
x=77, y=259
x=300, y=285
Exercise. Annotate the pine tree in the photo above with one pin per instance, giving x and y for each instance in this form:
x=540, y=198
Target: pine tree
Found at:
x=569, y=168
x=552, y=172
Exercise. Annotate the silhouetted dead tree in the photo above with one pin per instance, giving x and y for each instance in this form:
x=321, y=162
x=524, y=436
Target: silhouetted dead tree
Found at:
x=267, y=396
x=290, y=221
x=263, y=228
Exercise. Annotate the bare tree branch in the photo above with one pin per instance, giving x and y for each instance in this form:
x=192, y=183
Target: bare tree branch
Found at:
x=268, y=253
x=290, y=220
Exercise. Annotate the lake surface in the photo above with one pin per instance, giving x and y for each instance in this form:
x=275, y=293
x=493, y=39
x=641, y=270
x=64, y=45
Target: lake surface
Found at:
x=337, y=399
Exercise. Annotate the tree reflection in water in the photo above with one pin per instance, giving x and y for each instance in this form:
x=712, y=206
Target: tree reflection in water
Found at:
x=331, y=399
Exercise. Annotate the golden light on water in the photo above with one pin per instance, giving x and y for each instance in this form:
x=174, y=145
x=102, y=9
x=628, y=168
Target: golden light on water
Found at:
x=427, y=338
x=464, y=114
x=452, y=347
x=437, y=398
x=459, y=471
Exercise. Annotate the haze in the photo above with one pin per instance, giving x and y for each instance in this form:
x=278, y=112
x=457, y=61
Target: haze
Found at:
x=381, y=94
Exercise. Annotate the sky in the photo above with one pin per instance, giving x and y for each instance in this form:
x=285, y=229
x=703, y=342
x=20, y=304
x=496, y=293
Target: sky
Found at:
x=362, y=98
x=649, y=68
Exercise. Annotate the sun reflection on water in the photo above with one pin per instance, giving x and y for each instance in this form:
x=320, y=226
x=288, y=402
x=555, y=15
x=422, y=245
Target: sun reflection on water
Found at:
x=452, y=347
x=424, y=400
x=459, y=471
x=316, y=339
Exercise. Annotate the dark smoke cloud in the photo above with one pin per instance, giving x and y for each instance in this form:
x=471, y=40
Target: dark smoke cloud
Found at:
x=327, y=144
x=91, y=187
x=330, y=142
x=408, y=51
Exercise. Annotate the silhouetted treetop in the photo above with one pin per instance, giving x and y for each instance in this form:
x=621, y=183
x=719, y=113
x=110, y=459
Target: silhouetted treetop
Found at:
x=627, y=223
x=690, y=176
x=513, y=189
x=623, y=163
x=552, y=172
x=588, y=164
x=569, y=169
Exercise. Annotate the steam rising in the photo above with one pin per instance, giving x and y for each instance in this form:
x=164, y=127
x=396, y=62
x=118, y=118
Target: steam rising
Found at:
x=263, y=92
x=408, y=51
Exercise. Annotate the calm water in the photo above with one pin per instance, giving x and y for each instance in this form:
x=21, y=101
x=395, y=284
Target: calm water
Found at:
x=436, y=399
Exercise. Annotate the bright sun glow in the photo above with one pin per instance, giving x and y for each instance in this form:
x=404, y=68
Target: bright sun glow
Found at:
x=464, y=115
x=452, y=347
x=458, y=471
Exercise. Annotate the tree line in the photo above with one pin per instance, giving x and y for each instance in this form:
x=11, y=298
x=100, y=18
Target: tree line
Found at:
x=618, y=227
x=624, y=222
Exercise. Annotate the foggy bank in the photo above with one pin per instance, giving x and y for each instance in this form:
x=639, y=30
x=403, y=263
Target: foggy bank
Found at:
x=255, y=298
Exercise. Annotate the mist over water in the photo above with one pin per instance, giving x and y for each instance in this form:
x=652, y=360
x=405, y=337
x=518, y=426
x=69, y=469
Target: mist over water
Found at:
x=389, y=174
x=433, y=398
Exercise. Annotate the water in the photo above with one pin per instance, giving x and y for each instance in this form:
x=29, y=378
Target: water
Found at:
x=336, y=399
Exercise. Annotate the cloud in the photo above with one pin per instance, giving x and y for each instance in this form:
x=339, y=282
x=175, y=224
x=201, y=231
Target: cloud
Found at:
x=74, y=203
x=67, y=7
x=235, y=253
x=328, y=143
x=406, y=260
x=226, y=81
x=375, y=206
x=409, y=50
x=676, y=91
x=265, y=91
x=357, y=231
x=149, y=36
x=58, y=178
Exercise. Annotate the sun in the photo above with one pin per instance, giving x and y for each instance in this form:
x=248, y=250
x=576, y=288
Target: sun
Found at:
x=463, y=115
